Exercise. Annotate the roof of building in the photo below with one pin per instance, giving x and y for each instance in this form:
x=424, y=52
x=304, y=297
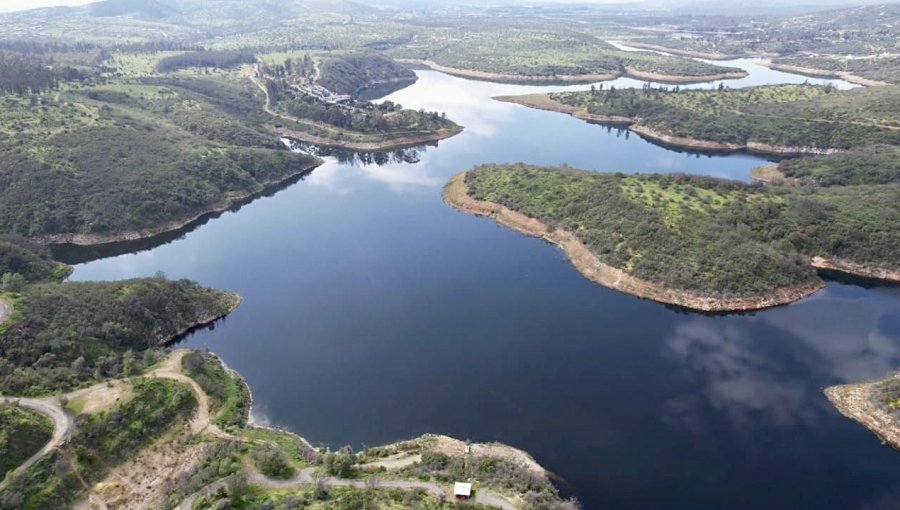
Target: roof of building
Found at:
x=462, y=489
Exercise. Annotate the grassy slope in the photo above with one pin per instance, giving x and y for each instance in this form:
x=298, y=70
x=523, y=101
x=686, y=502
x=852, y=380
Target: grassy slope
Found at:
x=702, y=234
x=22, y=433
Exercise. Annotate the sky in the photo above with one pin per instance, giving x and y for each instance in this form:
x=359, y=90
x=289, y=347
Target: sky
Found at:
x=21, y=5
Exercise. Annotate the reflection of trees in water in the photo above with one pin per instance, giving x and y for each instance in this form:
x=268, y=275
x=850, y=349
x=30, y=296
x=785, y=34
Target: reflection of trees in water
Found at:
x=409, y=155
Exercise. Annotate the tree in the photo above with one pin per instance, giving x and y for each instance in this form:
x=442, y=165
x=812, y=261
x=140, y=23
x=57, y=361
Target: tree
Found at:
x=12, y=282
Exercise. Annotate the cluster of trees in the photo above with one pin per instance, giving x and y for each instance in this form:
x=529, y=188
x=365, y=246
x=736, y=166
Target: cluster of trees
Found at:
x=385, y=117
x=879, y=164
x=99, y=442
x=22, y=74
x=74, y=333
x=702, y=234
x=219, y=59
x=272, y=461
x=350, y=74
x=30, y=262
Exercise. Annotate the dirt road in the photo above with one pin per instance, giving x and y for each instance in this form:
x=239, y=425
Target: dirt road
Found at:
x=62, y=427
x=4, y=311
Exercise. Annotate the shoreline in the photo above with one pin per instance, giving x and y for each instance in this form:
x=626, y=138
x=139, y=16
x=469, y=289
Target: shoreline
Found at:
x=502, y=77
x=824, y=73
x=672, y=78
x=234, y=302
x=854, y=402
x=172, y=226
x=456, y=195
x=678, y=52
x=384, y=145
x=571, y=78
x=542, y=101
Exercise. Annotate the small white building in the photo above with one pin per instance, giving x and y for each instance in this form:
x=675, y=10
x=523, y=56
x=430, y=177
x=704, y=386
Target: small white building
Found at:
x=462, y=490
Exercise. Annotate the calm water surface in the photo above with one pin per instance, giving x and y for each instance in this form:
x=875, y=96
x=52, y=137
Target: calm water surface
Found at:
x=375, y=313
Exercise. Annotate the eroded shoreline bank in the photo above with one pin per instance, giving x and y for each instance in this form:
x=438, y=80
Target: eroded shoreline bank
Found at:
x=383, y=145
x=855, y=402
x=456, y=194
x=544, y=102
x=570, y=78
x=151, y=232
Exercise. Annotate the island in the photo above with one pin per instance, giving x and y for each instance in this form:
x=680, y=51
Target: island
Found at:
x=701, y=243
x=97, y=410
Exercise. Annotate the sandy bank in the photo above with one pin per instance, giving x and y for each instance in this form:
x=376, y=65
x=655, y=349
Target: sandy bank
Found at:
x=545, y=102
x=672, y=78
x=854, y=401
x=487, y=76
x=381, y=145
x=822, y=73
x=855, y=269
x=456, y=194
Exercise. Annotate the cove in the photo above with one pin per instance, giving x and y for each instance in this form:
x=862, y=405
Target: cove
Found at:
x=373, y=312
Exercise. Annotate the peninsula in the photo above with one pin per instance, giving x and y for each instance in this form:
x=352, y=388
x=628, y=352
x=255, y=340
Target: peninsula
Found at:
x=875, y=405
x=111, y=417
x=779, y=120
x=696, y=242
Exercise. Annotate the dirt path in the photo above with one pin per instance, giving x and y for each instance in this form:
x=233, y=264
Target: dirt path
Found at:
x=4, y=311
x=62, y=427
x=201, y=422
x=306, y=477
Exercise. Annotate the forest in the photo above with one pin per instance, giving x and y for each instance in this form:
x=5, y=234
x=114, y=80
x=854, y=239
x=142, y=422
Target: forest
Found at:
x=218, y=59
x=22, y=74
x=352, y=73
x=136, y=156
x=713, y=236
x=878, y=164
x=75, y=333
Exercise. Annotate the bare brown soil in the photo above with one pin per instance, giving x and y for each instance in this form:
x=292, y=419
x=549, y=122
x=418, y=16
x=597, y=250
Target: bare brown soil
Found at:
x=770, y=174
x=855, y=269
x=854, y=401
x=456, y=194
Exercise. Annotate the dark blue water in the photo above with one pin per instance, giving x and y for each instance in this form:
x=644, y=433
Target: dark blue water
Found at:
x=373, y=312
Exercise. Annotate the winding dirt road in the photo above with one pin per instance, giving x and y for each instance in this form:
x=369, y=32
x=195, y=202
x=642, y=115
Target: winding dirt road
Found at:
x=62, y=427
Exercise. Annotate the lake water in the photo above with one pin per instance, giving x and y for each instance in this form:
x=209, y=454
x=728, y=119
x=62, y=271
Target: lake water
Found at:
x=373, y=312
